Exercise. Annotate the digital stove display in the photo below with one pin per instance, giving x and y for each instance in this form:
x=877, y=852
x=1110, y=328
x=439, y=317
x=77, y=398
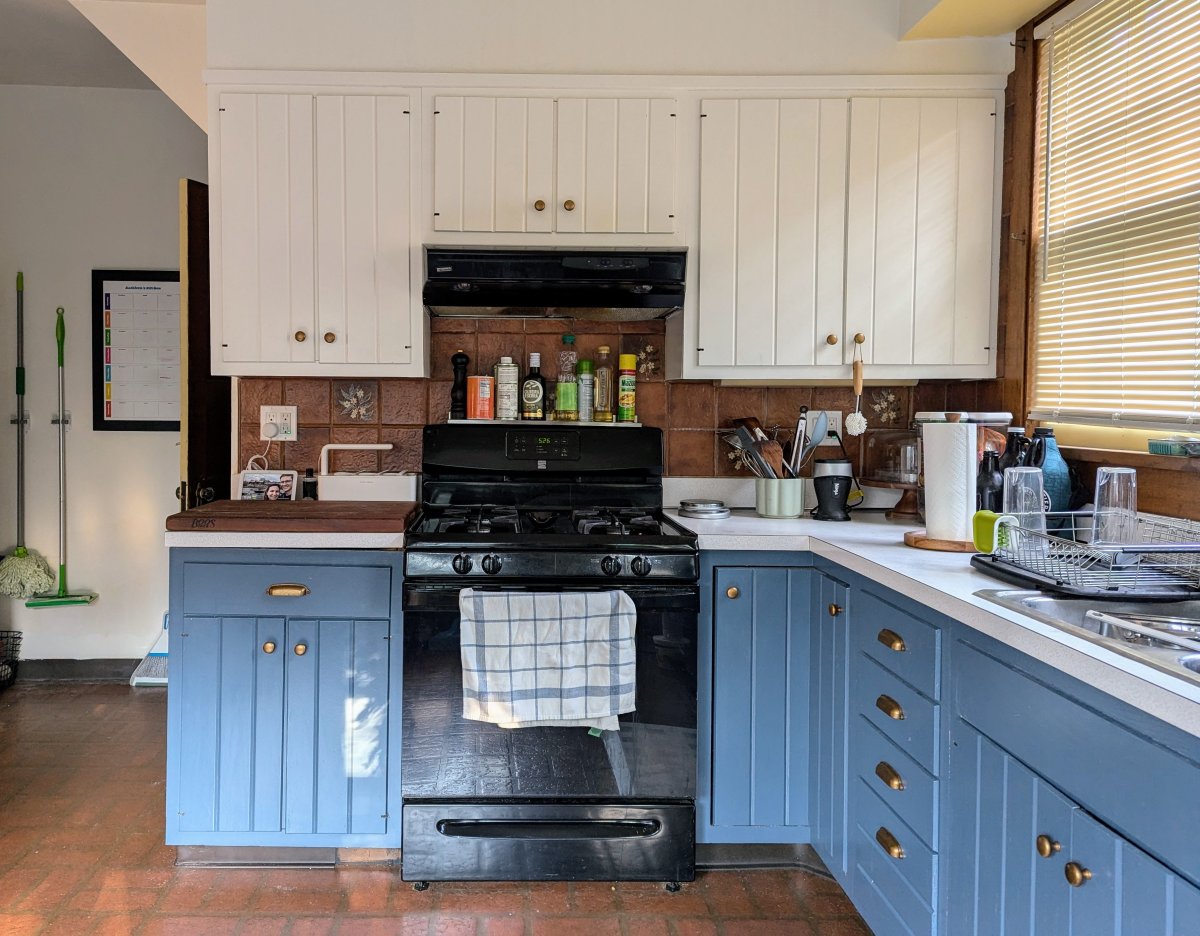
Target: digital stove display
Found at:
x=543, y=444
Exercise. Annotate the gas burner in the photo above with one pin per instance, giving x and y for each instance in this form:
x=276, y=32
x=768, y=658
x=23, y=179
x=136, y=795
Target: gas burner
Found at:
x=615, y=522
x=476, y=520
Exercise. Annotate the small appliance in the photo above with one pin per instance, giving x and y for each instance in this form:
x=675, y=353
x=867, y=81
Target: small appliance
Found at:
x=832, y=478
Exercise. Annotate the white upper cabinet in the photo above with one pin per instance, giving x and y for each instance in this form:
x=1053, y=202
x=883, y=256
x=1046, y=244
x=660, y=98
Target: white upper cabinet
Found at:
x=772, y=215
x=919, y=230
x=312, y=260
x=586, y=165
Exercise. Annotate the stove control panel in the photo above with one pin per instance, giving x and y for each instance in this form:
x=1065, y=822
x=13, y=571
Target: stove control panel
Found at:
x=543, y=445
x=610, y=565
x=492, y=564
x=640, y=566
x=544, y=565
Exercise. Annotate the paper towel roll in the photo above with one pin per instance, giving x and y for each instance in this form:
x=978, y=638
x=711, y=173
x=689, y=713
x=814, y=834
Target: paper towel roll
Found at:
x=950, y=469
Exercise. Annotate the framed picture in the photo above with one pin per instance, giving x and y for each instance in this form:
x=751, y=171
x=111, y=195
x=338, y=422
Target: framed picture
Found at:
x=267, y=485
x=135, y=350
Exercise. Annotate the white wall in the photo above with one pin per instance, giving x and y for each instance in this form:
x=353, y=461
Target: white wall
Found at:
x=88, y=179
x=752, y=37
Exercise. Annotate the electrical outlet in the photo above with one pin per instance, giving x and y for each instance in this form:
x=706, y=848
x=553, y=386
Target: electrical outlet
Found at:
x=835, y=425
x=277, y=423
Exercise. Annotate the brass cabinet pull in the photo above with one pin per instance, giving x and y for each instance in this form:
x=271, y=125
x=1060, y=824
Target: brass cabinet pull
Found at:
x=269, y=647
x=330, y=337
x=1046, y=846
x=569, y=205
x=1077, y=874
x=892, y=640
x=889, y=775
x=732, y=591
x=831, y=339
x=859, y=338
x=890, y=707
x=888, y=843
x=834, y=609
x=301, y=336
x=539, y=205
x=287, y=590
x=301, y=649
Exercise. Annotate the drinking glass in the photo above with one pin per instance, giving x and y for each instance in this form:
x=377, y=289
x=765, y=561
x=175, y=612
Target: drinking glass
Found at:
x=1024, y=499
x=1114, y=520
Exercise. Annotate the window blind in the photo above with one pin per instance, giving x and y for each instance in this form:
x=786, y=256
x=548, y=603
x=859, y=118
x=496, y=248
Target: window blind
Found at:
x=1116, y=232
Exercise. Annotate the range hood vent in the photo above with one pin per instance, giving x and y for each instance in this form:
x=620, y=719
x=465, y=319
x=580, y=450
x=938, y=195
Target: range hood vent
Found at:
x=592, y=284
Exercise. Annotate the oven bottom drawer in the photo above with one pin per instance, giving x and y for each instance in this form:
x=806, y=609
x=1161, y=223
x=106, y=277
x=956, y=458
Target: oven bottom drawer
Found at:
x=548, y=842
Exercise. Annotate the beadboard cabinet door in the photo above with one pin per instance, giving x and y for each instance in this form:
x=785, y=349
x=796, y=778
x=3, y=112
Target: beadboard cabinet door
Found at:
x=829, y=714
x=772, y=216
x=920, y=230
x=524, y=164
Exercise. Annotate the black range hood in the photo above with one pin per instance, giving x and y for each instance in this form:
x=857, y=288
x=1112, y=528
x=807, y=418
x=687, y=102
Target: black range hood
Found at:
x=596, y=283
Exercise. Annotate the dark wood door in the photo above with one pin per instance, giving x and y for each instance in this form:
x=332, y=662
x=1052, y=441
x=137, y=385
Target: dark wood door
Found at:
x=204, y=459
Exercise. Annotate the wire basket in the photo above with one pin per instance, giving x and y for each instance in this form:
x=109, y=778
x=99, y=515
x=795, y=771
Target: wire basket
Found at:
x=10, y=652
x=1162, y=565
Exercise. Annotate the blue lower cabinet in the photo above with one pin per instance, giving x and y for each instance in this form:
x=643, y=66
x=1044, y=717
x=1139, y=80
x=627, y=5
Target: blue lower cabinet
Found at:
x=828, y=721
x=280, y=726
x=754, y=727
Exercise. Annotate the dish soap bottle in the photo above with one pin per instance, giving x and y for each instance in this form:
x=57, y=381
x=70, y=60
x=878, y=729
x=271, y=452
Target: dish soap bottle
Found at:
x=1056, y=476
x=566, y=390
x=603, y=407
x=533, y=390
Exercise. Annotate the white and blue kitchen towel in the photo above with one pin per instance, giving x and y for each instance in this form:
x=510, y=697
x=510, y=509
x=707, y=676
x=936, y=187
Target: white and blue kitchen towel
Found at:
x=547, y=658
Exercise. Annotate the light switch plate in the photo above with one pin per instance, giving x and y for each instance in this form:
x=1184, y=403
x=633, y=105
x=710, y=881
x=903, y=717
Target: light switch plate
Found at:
x=277, y=423
x=835, y=425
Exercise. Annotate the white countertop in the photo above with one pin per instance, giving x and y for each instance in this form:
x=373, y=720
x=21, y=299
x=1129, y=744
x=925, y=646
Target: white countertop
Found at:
x=946, y=582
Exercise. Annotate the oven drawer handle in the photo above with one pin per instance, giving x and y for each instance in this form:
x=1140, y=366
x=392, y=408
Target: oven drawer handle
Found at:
x=548, y=828
x=287, y=590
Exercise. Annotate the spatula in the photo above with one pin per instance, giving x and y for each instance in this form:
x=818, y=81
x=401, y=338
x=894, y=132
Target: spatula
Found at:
x=772, y=453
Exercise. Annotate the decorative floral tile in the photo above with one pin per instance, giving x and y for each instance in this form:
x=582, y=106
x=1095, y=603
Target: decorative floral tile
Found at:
x=355, y=401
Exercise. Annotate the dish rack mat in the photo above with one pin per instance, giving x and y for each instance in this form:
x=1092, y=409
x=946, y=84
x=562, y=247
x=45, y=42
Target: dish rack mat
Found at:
x=1163, y=565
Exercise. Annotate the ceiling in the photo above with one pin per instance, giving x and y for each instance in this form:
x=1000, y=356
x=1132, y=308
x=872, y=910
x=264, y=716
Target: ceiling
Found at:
x=49, y=42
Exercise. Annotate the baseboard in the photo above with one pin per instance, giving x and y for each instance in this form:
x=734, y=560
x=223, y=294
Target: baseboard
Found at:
x=108, y=670
x=718, y=857
x=254, y=856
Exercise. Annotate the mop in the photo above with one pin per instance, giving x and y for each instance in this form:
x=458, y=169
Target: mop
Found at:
x=24, y=573
x=152, y=671
x=61, y=597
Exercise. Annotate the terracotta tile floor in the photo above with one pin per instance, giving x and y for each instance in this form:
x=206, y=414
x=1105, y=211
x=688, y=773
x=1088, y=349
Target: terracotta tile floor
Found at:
x=81, y=828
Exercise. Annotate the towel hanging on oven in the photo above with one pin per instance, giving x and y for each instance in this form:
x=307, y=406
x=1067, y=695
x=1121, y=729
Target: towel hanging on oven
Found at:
x=547, y=658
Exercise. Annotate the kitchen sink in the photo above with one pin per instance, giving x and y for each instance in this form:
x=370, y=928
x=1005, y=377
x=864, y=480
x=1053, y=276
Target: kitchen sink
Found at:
x=1151, y=637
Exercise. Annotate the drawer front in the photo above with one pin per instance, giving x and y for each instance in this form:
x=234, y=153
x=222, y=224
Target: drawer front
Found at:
x=907, y=646
x=906, y=787
x=284, y=590
x=906, y=883
x=915, y=731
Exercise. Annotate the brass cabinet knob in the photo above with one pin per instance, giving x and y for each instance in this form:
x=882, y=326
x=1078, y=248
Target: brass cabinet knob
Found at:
x=732, y=591
x=287, y=590
x=1077, y=874
x=889, y=844
x=269, y=647
x=330, y=337
x=569, y=205
x=859, y=337
x=834, y=609
x=892, y=640
x=539, y=205
x=890, y=707
x=1046, y=846
x=301, y=649
x=889, y=775
x=301, y=336
x=831, y=339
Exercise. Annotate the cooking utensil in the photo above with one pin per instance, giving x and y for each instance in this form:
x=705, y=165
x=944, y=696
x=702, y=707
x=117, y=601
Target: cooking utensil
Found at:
x=757, y=432
x=819, y=430
x=757, y=462
x=772, y=453
x=856, y=422
x=798, y=441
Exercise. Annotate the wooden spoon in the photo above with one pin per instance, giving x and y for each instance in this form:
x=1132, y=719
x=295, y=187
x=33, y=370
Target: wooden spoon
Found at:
x=772, y=453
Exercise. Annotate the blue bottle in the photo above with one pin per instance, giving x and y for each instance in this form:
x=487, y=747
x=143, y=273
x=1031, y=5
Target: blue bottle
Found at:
x=1056, y=476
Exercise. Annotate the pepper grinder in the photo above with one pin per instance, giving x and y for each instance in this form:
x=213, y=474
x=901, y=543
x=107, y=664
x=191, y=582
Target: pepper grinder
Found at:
x=458, y=392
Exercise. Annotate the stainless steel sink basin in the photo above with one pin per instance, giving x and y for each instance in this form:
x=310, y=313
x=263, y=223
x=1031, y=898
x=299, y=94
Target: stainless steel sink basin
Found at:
x=1157, y=623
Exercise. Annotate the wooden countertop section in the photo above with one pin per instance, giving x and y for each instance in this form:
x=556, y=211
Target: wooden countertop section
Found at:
x=295, y=517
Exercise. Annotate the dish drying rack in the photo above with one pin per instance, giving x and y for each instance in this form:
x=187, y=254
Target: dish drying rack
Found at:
x=1162, y=565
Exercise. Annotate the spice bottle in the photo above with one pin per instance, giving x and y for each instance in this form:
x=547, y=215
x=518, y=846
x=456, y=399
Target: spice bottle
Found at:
x=587, y=389
x=308, y=486
x=533, y=390
x=508, y=389
x=627, y=389
x=566, y=390
x=603, y=407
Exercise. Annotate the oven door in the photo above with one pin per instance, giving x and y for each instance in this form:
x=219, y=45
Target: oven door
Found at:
x=484, y=802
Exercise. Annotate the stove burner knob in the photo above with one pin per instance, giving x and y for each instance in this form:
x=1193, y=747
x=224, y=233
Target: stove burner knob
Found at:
x=641, y=566
x=492, y=564
x=610, y=565
x=461, y=563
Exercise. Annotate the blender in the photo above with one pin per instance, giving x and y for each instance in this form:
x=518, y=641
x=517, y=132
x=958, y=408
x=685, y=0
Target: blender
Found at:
x=832, y=478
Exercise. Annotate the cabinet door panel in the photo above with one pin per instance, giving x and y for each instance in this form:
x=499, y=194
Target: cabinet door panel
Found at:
x=632, y=175
x=974, y=230
x=268, y=720
x=601, y=166
x=196, y=669
x=366, y=709
x=448, y=158
x=571, y=152
x=757, y=204
x=393, y=325
x=511, y=158
x=830, y=703
x=539, y=168
x=660, y=172
x=479, y=164
x=300, y=741
x=718, y=233
x=239, y=721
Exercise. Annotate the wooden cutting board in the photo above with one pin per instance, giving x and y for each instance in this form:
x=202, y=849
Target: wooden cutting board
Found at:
x=295, y=517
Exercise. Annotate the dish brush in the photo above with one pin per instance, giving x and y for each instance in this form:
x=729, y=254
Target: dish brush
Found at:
x=856, y=422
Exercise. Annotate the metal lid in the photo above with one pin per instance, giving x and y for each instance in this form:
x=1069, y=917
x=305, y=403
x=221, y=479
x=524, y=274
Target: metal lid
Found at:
x=698, y=503
x=832, y=467
x=939, y=416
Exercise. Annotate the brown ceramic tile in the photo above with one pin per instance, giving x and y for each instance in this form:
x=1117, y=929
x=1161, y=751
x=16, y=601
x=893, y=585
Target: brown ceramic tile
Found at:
x=310, y=396
x=305, y=452
x=354, y=461
x=444, y=324
x=495, y=345
x=355, y=402
x=581, y=327
x=692, y=406
x=690, y=453
x=254, y=392
x=439, y=400
x=781, y=406
x=929, y=396
x=511, y=326
x=249, y=444
x=547, y=326
x=651, y=327
x=648, y=349
x=833, y=398
x=402, y=402
x=738, y=402
x=728, y=467
x=652, y=404
x=442, y=347
x=887, y=407
x=406, y=451
x=547, y=345
x=589, y=345
x=962, y=395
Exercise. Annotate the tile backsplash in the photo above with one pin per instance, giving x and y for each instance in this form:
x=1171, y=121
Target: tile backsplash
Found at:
x=692, y=414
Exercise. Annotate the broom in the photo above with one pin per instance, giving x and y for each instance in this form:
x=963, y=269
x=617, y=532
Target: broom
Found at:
x=23, y=573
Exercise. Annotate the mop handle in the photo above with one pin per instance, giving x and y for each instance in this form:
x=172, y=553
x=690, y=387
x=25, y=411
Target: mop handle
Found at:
x=20, y=409
x=60, y=335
